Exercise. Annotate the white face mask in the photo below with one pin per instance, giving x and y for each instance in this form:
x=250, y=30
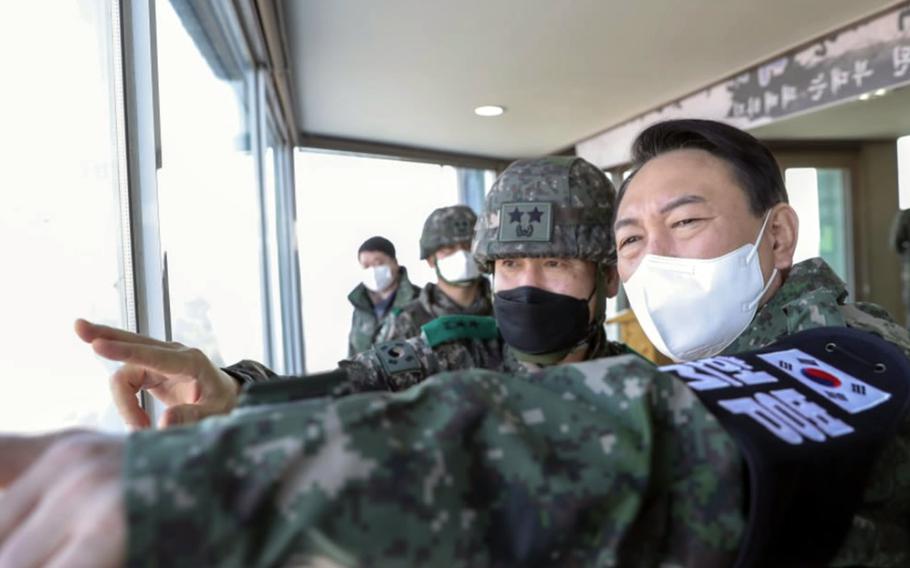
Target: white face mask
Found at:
x=377, y=278
x=457, y=268
x=692, y=308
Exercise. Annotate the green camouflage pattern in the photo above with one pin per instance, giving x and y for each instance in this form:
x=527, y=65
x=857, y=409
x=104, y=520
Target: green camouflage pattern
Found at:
x=366, y=372
x=548, y=207
x=813, y=296
x=365, y=326
x=431, y=303
x=900, y=242
x=447, y=226
x=603, y=463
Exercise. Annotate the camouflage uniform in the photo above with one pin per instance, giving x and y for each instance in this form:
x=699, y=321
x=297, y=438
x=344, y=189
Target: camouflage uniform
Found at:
x=813, y=296
x=364, y=324
x=550, y=207
x=603, y=463
x=366, y=371
x=444, y=227
x=900, y=241
x=429, y=305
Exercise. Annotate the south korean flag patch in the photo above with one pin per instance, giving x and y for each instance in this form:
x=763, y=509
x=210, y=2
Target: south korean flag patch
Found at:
x=843, y=389
x=810, y=415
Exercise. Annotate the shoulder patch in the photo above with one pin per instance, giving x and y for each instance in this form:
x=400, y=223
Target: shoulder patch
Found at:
x=810, y=415
x=452, y=328
x=397, y=356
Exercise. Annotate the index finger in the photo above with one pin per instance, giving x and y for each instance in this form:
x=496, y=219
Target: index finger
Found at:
x=88, y=332
x=162, y=358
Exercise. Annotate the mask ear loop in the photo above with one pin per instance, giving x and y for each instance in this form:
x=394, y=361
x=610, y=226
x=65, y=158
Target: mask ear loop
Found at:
x=761, y=234
x=751, y=305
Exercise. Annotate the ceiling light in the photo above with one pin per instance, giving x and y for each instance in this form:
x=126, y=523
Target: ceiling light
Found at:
x=489, y=110
x=864, y=97
x=880, y=92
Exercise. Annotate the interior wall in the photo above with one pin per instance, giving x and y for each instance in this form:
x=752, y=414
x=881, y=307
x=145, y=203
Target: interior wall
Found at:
x=877, y=203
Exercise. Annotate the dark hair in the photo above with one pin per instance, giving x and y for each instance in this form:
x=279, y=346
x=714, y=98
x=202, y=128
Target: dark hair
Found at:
x=377, y=244
x=752, y=164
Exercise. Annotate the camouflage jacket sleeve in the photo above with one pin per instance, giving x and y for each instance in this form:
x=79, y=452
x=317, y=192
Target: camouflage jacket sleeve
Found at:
x=602, y=463
x=247, y=371
x=875, y=319
x=389, y=366
x=352, y=349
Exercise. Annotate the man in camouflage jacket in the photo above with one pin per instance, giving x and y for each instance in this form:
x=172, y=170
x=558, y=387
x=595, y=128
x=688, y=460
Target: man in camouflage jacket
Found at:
x=373, y=307
x=693, y=193
x=461, y=290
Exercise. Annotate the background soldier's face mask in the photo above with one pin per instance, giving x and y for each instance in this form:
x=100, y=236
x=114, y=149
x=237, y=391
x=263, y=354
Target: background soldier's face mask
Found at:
x=691, y=308
x=377, y=278
x=536, y=321
x=458, y=268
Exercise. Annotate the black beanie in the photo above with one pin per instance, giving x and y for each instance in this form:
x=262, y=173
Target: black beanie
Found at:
x=378, y=244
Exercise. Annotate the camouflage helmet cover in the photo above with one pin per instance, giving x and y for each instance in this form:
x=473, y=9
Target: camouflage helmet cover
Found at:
x=548, y=207
x=447, y=226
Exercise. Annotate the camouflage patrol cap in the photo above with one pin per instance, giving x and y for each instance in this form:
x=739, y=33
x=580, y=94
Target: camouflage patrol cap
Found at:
x=548, y=207
x=447, y=226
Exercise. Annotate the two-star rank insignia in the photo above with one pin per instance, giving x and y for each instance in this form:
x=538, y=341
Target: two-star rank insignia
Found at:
x=527, y=221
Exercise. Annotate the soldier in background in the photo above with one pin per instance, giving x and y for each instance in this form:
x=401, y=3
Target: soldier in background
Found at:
x=900, y=241
x=384, y=287
x=445, y=244
x=545, y=237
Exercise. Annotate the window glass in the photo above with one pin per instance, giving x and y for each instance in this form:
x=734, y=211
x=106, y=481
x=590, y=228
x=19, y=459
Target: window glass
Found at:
x=60, y=215
x=342, y=200
x=821, y=199
x=271, y=239
x=209, y=203
x=903, y=171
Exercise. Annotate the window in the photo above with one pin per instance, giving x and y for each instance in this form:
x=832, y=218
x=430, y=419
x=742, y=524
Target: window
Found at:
x=903, y=171
x=270, y=167
x=820, y=197
x=60, y=220
x=341, y=201
x=209, y=202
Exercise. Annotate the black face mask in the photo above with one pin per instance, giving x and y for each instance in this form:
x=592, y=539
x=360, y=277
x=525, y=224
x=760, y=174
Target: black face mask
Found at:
x=536, y=321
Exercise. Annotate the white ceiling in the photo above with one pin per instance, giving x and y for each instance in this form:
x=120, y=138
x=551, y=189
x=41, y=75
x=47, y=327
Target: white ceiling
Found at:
x=410, y=72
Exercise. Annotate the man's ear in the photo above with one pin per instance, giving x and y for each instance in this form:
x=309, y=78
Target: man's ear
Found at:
x=611, y=281
x=783, y=233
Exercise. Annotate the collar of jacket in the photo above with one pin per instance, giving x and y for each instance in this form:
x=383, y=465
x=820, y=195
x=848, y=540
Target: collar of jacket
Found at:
x=808, y=298
x=437, y=303
x=599, y=347
x=360, y=296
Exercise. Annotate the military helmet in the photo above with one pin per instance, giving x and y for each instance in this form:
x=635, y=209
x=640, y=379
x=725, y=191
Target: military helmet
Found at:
x=447, y=226
x=558, y=206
